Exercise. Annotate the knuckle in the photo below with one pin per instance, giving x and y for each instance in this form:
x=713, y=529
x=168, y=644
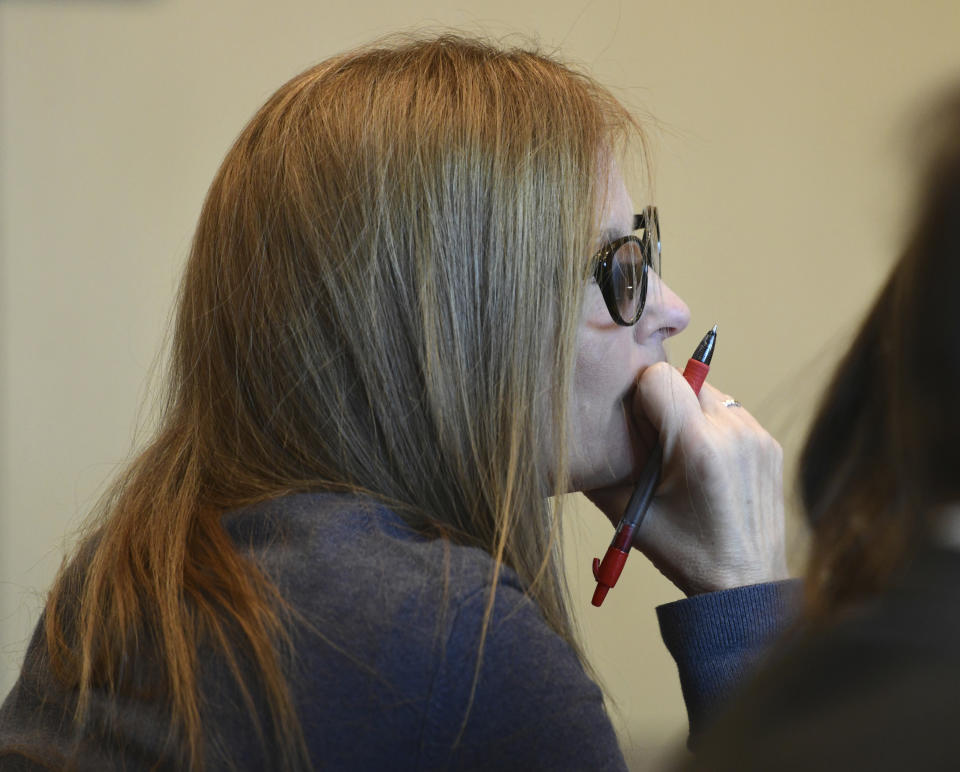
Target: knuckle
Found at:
x=769, y=444
x=703, y=457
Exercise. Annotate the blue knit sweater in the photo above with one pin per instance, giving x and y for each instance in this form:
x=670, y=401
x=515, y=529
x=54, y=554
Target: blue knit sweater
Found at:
x=386, y=674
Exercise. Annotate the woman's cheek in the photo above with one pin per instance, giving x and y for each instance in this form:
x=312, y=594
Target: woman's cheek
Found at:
x=595, y=313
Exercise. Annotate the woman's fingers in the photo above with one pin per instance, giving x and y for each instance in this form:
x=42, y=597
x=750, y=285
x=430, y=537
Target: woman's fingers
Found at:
x=717, y=517
x=666, y=399
x=717, y=520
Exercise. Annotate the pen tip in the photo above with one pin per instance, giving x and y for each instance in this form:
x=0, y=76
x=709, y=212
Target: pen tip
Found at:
x=714, y=330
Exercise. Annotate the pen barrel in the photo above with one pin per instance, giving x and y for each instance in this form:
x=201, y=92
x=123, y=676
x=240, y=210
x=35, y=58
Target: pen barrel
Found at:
x=644, y=489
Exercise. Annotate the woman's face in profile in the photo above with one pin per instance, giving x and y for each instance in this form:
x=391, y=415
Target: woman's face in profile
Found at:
x=607, y=445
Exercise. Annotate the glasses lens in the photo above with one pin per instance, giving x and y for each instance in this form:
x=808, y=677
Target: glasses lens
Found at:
x=628, y=280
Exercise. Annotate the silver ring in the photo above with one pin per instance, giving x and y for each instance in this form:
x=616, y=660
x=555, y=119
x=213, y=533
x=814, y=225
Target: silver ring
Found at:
x=731, y=403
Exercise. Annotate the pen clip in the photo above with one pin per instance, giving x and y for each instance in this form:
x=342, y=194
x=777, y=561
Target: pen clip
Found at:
x=607, y=571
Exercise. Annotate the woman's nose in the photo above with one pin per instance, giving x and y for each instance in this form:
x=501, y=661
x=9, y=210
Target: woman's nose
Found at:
x=664, y=310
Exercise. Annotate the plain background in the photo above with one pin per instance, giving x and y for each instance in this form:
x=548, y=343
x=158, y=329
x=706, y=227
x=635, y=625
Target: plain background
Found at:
x=783, y=174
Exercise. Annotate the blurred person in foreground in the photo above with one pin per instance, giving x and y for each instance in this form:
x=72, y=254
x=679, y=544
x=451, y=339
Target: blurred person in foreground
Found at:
x=870, y=679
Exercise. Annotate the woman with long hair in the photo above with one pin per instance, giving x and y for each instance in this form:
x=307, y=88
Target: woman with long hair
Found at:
x=393, y=346
x=869, y=678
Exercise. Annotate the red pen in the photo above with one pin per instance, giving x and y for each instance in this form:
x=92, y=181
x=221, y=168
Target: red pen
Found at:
x=607, y=572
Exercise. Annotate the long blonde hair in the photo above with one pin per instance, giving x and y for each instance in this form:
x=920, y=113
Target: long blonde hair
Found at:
x=382, y=297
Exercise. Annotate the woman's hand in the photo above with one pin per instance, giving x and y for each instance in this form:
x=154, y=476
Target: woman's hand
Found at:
x=716, y=521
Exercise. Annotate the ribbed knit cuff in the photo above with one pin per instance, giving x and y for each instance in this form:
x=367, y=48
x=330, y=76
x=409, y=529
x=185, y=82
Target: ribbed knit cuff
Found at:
x=716, y=638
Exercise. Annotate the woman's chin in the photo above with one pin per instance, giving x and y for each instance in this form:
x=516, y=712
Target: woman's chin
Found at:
x=607, y=476
x=613, y=460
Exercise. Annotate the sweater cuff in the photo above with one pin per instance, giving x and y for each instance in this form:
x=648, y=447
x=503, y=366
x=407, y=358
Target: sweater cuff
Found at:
x=716, y=638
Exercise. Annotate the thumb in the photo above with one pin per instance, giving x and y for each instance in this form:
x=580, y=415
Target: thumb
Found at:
x=666, y=399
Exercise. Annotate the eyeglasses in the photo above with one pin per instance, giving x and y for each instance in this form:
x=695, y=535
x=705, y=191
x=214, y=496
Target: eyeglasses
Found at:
x=622, y=267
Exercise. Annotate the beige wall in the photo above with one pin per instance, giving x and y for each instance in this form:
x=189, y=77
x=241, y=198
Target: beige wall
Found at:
x=781, y=177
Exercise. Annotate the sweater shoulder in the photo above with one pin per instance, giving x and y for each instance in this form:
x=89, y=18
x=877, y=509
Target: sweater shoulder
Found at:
x=351, y=552
x=379, y=613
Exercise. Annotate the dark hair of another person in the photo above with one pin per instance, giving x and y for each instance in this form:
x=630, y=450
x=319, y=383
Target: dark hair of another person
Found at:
x=880, y=460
